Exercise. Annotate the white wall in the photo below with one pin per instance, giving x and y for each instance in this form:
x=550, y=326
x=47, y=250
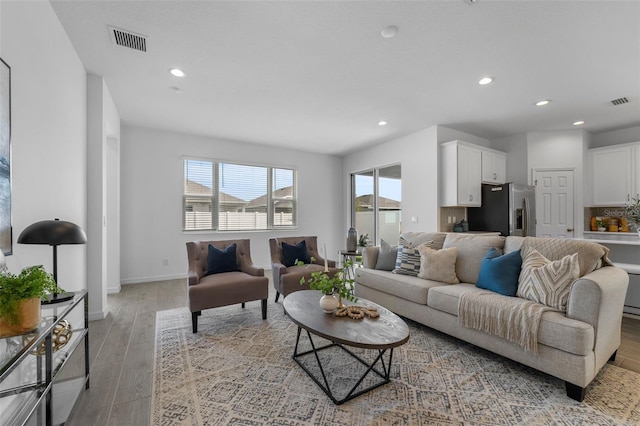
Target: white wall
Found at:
x=417, y=154
x=516, y=148
x=103, y=232
x=151, y=202
x=615, y=137
x=48, y=109
x=561, y=150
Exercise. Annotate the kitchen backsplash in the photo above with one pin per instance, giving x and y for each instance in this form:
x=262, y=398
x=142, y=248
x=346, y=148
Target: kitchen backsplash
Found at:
x=449, y=216
x=604, y=212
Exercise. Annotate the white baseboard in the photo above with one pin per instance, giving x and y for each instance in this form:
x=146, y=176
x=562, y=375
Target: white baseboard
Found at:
x=152, y=279
x=113, y=290
x=99, y=315
x=631, y=312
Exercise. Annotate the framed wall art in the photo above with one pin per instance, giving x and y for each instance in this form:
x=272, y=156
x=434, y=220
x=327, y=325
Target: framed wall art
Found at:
x=5, y=158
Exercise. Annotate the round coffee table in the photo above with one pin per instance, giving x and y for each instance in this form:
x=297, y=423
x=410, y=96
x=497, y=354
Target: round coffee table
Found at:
x=380, y=334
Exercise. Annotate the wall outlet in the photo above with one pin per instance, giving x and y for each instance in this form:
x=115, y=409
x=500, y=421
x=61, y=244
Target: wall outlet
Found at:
x=165, y=262
x=414, y=219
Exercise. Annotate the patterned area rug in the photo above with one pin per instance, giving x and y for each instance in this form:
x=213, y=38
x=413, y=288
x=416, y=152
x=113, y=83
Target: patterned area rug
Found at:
x=238, y=370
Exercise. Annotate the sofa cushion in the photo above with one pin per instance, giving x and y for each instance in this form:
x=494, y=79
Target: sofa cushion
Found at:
x=471, y=251
x=512, y=243
x=292, y=254
x=408, y=259
x=387, y=255
x=499, y=273
x=414, y=239
x=219, y=261
x=406, y=287
x=545, y=281
x=591, y=256
x=438, y=265
x=555, y=330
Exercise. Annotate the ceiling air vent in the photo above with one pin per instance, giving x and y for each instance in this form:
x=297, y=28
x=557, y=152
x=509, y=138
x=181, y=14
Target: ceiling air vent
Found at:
x=128, y=39
x=620, y=101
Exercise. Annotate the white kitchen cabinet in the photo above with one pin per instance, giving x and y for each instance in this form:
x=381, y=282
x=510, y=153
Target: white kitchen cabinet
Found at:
x=494, y=167
x=615, y=174
x=461, y=174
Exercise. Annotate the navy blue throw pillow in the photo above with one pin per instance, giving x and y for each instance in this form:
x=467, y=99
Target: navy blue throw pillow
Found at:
x=292, y=254
x=499, y=273
x=221, y=260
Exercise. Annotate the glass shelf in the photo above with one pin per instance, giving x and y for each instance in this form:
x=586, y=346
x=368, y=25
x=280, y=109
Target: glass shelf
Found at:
x=34, y=387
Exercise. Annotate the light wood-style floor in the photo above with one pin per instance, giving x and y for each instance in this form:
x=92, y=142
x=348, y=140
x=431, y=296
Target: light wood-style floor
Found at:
x=122, y=354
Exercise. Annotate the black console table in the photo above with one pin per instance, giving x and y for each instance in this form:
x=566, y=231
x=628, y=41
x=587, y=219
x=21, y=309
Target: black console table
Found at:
x=40, y=379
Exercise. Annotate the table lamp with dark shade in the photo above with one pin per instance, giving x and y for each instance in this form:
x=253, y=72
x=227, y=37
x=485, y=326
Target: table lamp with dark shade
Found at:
x=54, y=233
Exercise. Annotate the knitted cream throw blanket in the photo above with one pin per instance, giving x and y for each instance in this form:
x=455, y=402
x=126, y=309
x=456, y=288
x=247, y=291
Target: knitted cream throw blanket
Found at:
x=511, y=318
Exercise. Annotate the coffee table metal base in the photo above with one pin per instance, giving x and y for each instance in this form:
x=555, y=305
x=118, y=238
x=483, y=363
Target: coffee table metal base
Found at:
x=382, y=373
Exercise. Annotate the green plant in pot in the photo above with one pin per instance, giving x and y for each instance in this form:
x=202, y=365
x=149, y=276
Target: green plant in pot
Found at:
x=20, y=297
x=339, y=284
x=632, y=212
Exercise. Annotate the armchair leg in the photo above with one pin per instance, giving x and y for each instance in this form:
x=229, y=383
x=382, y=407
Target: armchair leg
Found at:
x=277, y=296
x=242, y=305
x=613, y=357
x=264, y=309
x=194, y=320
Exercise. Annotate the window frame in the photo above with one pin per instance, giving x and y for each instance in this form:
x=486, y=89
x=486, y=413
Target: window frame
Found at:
x=215, y=197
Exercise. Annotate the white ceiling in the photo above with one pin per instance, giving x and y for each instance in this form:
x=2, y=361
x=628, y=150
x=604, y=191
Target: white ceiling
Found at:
x=318, y=75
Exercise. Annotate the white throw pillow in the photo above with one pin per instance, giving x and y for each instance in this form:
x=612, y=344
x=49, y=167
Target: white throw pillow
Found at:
x=438, y=265
x=547, y=282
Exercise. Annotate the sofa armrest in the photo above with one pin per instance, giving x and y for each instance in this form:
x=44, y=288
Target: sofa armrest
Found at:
x=370, y=256
x=252, y=269
x=319, y=260
x=598, y=299
x=193, y=278
x=278, y=269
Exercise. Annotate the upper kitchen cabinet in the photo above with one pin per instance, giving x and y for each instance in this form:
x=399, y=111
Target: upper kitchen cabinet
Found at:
x=494, y=167
x=615, y=174
x=461, y=174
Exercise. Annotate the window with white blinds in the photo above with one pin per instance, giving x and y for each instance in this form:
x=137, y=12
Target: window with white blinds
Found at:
x=237, y=197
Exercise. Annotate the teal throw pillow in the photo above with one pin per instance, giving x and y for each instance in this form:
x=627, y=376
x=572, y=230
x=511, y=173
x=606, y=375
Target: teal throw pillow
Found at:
x=219, y=261
x=499, y=273
x=291, y=254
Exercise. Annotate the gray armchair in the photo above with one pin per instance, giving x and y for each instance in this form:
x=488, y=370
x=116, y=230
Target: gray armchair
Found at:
x=286, y=279
x=226, y=288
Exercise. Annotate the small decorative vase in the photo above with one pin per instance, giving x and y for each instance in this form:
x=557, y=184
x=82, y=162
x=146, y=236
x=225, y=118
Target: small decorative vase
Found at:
x=352, y=239
x=328, y=303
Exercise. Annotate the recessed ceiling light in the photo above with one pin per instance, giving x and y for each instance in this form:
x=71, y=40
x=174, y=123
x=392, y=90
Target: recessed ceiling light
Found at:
x=177, y=72
x=382, y=123
x=578, y=123
x=390, y=31
x=485, y=80
x=543, y=102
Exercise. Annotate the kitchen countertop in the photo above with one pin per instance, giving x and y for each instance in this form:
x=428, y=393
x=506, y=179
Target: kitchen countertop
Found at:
x=624, y=238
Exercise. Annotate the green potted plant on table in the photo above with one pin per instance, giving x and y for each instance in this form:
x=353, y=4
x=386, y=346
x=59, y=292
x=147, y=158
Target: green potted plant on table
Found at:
x=339, y=284
x=20, y=297
x=632, y=212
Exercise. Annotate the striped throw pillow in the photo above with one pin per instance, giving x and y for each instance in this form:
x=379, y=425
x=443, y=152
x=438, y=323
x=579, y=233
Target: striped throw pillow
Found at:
x=408, y=258
x=547, y=282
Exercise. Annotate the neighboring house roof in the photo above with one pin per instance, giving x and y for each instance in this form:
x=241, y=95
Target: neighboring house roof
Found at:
x=286, y=192
x=195, y=188
x=366, y=202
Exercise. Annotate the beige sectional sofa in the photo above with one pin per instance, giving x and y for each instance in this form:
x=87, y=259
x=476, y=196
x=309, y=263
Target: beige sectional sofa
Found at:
x=572, y=346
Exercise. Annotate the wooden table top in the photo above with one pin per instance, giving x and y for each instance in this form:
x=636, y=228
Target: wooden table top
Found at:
x=386, y=331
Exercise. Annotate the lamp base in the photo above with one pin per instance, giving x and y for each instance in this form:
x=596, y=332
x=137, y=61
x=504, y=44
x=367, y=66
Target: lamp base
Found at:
x=57, y=298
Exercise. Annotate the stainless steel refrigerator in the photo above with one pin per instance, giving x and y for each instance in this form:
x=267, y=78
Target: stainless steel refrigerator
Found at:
x=509, y=209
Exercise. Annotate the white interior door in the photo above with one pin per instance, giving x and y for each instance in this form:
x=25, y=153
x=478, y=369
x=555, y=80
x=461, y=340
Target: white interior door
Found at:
x=554, y=203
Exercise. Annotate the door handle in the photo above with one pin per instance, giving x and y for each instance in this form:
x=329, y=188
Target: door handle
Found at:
x=569, y=229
